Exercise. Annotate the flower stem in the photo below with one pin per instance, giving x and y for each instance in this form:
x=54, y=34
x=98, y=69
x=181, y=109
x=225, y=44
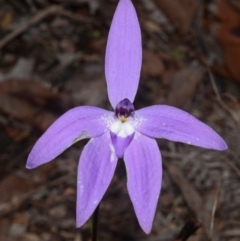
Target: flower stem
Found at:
x=95, y=224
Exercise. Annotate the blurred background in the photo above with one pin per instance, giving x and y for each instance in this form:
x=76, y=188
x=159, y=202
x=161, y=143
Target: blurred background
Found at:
x=52, y=59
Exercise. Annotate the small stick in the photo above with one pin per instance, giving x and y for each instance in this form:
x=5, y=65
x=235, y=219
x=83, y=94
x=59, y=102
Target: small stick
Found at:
x=216, y=92
x=95, y=224
x=214, y=86
x=232, y=165
x=214, y=208
x=18, y=200
x=219, y=99
x=54, y=9
x=23, y=27
x=189, y=229
x=192, y=198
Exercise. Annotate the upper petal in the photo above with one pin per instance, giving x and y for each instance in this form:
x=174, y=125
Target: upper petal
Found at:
x=168, y=122
x=144, y=176
x=123, y=54
x=95, y=171
x=76, y=124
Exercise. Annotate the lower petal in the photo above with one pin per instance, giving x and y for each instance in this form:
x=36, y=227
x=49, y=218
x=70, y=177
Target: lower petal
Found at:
x=95, y=171
x=144, y=176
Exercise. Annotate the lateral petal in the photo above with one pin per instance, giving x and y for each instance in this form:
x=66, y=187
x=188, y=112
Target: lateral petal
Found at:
x=162, y=121
x=95, y=171
x=123, y=54
x=144, y=177
x=76, y=124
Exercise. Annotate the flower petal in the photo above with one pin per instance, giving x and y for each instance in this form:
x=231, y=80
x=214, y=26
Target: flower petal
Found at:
x=95, y=171
x=144, y=174
x=76, y=124
x=168, y=122
x=123, y=54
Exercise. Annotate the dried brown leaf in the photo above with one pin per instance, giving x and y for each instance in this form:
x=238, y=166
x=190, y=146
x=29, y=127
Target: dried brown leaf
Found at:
x=229, y=39
x=184, y=85
x=179, y=12
x=152, y=64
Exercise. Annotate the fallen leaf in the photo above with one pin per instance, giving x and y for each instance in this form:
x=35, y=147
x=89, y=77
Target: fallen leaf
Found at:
x=22, y=69
x=88, y=87
x=184, y=85
x=152, y=64
x=29, y=101
x=4, y=224
x=14, y=185
x=193, y=200
x=22, y=110
x=6, y=19
x=229, y=39
x=29, y=89
x=158, y=17
x=16, y=134
x=179, y=12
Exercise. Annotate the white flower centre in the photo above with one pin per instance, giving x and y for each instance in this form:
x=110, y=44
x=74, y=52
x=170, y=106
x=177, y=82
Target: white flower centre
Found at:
x=122, y=129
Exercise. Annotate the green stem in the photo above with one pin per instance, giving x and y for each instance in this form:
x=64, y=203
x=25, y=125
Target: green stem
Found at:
x=95, y=224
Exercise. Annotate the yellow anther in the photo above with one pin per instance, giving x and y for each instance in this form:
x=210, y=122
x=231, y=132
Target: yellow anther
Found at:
x=122, y=118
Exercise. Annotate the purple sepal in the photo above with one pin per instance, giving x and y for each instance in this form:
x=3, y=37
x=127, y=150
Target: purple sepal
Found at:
x=95, y=171
x=144, y=176
x=120, y=143
x=123, y=54
x=76, y=124
x=168, y=122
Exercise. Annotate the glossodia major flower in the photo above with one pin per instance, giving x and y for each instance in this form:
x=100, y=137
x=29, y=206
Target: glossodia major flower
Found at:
x=124, y=133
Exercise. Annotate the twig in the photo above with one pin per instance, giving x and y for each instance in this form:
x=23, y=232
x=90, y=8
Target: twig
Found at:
x=95, y=224
x=174, y=155
x=203, y=55
x=75, y=17
x=11, y=164
x=19, y=200
x=232, y=165
x=189, y=229
x=214, y=208
x=35, y=19
x=219, y=99
x=192, y=198
x=54, y=9
x=215, y=89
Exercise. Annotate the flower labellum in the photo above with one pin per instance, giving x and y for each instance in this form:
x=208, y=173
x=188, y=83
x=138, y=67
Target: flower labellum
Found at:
x=124, y=133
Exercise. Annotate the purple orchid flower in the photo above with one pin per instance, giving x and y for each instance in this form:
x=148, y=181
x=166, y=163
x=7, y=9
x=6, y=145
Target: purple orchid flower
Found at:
x=124, y=133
